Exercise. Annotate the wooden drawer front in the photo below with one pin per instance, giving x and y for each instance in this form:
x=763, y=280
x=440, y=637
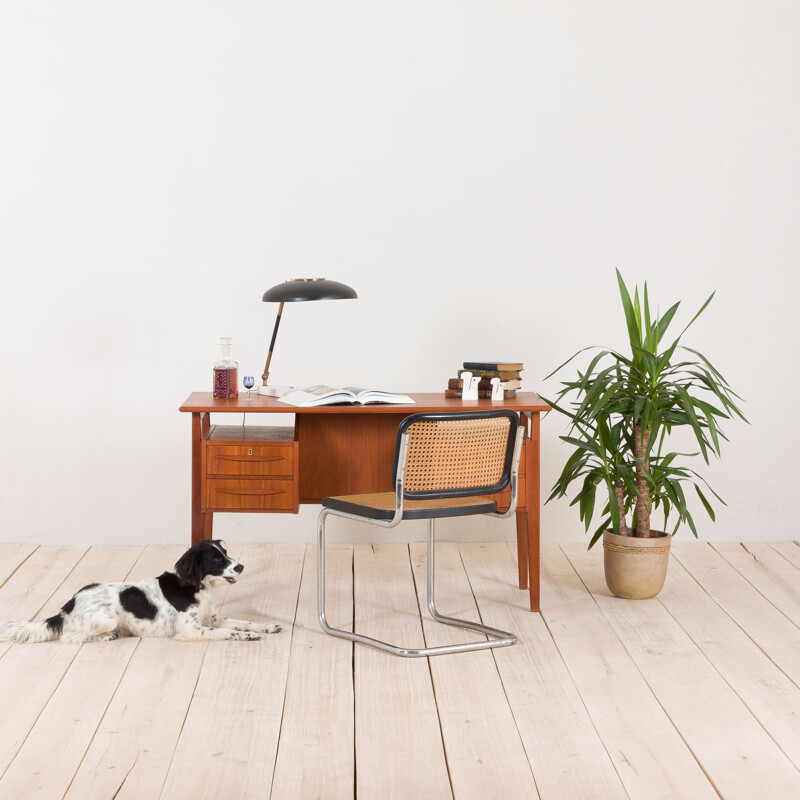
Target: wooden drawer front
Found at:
x=250, y=495
x=250, y=459
x=504, y=497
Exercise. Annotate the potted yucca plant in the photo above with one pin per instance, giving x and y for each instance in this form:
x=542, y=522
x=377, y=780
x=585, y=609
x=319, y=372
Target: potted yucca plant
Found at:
x=622, y=409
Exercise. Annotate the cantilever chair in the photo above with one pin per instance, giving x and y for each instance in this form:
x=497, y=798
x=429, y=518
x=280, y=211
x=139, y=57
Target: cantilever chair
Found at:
x=445, y=465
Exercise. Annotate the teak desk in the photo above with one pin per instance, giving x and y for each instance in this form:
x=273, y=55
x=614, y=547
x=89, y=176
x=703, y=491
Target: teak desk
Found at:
x=333, y=450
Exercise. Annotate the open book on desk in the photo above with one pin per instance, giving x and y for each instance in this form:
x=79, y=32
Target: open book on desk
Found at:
x=328, y=396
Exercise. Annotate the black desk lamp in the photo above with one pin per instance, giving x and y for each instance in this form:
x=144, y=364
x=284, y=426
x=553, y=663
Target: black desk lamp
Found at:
x=298, y=291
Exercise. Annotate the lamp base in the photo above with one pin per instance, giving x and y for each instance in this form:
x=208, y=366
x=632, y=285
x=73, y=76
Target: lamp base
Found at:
x=274, y=391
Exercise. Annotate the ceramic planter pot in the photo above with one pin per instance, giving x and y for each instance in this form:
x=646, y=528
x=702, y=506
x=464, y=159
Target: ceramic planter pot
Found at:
x=636, y=568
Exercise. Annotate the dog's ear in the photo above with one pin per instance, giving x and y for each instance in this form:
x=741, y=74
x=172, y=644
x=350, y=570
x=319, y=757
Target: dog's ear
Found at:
x=188, y=569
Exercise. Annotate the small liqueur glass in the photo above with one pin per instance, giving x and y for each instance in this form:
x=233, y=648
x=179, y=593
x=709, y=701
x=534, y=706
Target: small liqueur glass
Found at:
x=249, y=382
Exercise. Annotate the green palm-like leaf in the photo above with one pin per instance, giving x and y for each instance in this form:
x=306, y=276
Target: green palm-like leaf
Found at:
x=630, y=314
x=664, y=322
x=705, y=503
x=688, y=407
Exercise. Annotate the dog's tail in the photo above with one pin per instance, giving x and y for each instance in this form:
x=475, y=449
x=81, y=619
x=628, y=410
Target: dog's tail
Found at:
x=28, y=632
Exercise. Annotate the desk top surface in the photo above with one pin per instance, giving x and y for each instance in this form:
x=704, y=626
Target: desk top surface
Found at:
x=433, y=401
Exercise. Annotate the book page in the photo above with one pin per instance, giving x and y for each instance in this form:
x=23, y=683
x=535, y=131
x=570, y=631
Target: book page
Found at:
x=378, y=396
x=320, y=390
x=318, y=395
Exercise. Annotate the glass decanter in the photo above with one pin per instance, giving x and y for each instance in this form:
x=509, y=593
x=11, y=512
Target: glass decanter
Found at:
x=226, y=372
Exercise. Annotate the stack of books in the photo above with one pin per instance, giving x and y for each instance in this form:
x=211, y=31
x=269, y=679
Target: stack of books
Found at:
x=507, y=371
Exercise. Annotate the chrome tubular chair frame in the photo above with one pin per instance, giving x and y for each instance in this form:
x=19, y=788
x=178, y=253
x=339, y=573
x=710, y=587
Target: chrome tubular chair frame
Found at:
x=497, y=638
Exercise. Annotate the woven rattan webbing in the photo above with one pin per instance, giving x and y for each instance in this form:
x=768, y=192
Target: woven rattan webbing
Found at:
x=456, y=454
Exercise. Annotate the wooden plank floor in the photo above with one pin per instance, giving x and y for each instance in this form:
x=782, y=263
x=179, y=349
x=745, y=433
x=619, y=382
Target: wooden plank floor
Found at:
x=694, y=694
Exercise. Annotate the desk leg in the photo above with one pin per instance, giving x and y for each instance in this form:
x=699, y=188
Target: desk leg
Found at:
x=522, y=547
x=201, y=521
x=532, y=509
x=521, y=516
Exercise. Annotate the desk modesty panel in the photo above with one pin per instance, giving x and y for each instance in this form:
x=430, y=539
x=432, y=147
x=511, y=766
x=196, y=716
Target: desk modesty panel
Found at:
x=332, y=450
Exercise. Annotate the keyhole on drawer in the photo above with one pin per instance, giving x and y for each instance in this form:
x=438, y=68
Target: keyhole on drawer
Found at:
x=250, y=451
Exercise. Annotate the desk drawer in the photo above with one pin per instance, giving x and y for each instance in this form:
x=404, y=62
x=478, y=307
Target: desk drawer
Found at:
x=250, y=495
x=250, y=459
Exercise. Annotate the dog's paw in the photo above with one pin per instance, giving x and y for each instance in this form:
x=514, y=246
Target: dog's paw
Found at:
x=273, y=629
x=106, y=637
x=246, y=637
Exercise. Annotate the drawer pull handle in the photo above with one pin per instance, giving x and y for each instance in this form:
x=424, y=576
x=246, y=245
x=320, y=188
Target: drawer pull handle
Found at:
x=245, y=458
x=254, y=494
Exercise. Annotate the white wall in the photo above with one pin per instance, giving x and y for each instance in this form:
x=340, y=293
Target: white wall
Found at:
x=163, y=163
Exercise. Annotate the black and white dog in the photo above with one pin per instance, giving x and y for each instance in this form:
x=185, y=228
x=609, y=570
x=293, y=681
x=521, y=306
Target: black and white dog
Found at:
x=177, y=604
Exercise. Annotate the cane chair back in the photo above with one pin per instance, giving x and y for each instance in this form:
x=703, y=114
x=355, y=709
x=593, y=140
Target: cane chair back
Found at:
x=457, y=455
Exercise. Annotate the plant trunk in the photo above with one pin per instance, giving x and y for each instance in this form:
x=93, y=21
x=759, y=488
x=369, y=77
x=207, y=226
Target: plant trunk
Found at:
x=619, y=490
x=642, y=439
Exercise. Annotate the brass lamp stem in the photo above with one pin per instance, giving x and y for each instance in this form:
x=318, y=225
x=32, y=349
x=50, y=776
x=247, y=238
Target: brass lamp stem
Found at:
x=265, y=374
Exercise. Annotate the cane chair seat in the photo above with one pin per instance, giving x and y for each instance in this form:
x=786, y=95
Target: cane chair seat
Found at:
x=381, y=505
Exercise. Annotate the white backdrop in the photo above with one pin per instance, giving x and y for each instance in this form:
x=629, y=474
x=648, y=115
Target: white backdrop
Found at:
x=475, y=170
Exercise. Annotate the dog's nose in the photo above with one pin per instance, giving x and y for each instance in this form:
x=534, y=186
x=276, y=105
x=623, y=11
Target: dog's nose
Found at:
x=238, y=568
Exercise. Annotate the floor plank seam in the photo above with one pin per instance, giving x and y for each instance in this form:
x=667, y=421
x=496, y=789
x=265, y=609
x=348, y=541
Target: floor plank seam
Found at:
x=568, y=672
x=288, y=670
x=44, y=706
x=732, y=617
x=135, y=563
x=589, y=716
x=769, y=600
x=499, y=672
x=102, y=716
x=430, y=671
x=14, y=571
x=783, y=555
x=472, y=590
x=728, y=684
x=52, y=595
x=643, y=677
x=124, y=778
x=650, y=687
x=185, y=718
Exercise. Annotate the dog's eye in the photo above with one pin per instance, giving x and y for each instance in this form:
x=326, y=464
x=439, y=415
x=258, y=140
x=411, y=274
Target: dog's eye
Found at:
x=217, y=558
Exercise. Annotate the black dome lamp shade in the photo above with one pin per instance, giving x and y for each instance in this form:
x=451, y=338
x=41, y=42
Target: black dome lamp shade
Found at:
x=301, y=289
x=297, y=291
